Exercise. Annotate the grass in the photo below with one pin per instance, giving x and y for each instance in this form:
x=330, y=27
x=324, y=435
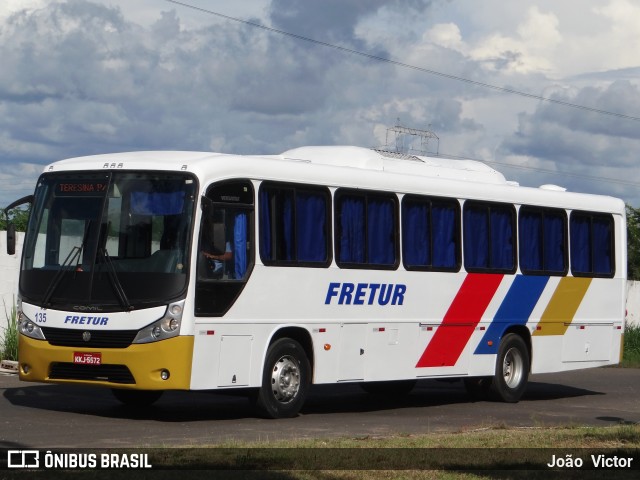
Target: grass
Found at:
x=499, y=453
x=9, y=343
x=618, y=436
x=631, y=355
x=480, y=454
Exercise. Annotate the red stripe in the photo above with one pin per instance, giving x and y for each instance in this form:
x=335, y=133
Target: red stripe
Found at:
x=463, y=315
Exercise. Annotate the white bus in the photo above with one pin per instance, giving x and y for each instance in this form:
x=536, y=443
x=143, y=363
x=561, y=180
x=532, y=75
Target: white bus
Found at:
x=153, y=271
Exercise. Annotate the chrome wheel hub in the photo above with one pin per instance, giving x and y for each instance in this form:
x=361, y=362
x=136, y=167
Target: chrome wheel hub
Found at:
x=285, y=379
x=513, y=368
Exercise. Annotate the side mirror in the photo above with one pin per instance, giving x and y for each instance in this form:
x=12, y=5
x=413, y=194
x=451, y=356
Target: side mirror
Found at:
x=11, y=239
x=11, y=228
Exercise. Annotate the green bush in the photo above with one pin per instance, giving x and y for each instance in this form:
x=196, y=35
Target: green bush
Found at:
x=9, y=345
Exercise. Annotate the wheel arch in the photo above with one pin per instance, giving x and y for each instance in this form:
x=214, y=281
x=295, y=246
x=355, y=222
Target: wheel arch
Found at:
x=524, y=333
x=300, y=335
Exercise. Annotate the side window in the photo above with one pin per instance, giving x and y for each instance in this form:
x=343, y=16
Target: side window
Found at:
x=592, y=245
x=489, y=237
x=430, y=233
x=366, y=230
x=543, y=241
x=294, y=225
x=225, y=250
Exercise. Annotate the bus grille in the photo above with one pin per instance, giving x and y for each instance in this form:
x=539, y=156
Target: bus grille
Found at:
x=98, y=373
x=63, y=337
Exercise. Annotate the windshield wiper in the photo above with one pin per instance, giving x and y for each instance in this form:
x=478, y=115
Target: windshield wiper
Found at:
x=115, y=281
x=74, y=256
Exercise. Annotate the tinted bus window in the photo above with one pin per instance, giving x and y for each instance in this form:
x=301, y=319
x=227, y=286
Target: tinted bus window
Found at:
x=366, y=227
x=592, y=251
x=430, y=234
x=294, y=225
x=489, y=237
x=543, y=241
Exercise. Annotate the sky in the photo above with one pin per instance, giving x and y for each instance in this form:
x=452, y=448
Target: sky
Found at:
x=83, y=77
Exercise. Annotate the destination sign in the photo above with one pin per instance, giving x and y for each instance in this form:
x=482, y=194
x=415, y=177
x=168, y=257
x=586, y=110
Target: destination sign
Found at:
x=81, y=188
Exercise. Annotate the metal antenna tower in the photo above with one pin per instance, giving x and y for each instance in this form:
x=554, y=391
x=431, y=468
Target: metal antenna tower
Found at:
x=410, y=141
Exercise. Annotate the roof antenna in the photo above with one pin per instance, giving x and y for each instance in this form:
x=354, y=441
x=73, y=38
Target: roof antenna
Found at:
x=410, y=141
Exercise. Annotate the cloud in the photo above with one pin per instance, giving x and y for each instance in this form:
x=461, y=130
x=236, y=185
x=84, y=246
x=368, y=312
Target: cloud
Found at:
x=334, y=20
x=89, y=76
x=573, y=136
x=529, y=50
x=581, y=143
x=95, y=81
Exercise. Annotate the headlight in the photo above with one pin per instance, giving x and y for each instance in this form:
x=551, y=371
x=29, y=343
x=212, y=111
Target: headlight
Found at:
x=168, y=326
x=28, y=328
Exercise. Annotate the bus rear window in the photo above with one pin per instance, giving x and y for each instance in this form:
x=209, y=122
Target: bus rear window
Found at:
x=592, y=245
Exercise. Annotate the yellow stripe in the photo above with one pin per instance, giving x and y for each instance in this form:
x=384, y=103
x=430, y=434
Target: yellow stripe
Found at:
x=563, y=306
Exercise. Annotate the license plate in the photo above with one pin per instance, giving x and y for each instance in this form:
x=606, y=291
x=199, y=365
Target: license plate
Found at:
x=85, y=358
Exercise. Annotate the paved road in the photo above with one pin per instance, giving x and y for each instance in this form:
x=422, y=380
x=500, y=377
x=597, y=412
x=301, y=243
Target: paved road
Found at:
x=56, y=416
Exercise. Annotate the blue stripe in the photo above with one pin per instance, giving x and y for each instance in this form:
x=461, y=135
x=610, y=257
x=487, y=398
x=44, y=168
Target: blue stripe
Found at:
x=516, y=309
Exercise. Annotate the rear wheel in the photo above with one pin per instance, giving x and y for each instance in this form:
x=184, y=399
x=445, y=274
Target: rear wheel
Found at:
x=136, y=398
x=285, y=380
x=512, y=369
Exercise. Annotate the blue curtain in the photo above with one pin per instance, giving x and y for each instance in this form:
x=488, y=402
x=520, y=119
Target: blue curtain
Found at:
x=157, y=203
x=580, y=244
x=554, y=242
x=296, y=229
x=602, y=240
x=530, y=245
x=429, y=237
x=501, y=238
x=352, y=234
x=542, y=241
x=415, y=234
x=286, y=242
x=476, y=238
x=311, y=233
x=240, y=229
x=381, y=231
x=488, y=237
x=443, y=218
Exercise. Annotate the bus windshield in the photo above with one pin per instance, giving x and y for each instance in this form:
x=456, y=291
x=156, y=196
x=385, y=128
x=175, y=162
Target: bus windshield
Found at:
x=108, y=241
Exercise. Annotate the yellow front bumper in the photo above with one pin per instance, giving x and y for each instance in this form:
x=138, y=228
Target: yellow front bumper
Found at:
x=144, y=361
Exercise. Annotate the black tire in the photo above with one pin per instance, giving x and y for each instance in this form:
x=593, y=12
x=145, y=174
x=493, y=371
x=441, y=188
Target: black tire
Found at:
x=285, y=380
x=478, y=388
x=136, y=398
x=512, y=369
x=391, y=388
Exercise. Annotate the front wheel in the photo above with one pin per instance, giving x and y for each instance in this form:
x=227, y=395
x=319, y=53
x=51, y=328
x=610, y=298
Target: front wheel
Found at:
x=285, y=380
x=512, y=369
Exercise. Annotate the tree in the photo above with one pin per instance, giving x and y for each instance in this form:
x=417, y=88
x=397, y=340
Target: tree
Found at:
x=633, y=243
x=18, y=216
